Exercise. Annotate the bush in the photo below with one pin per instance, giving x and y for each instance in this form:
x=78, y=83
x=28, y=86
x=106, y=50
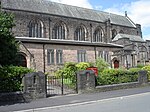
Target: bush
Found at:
x=140, y=65
x=82, y=66
x=147, y=68
x=11, y=78
x=101, y=64
x=117, y=76
x=69, y=70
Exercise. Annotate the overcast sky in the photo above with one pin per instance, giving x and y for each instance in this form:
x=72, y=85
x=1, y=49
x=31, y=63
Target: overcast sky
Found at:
x=138, y=10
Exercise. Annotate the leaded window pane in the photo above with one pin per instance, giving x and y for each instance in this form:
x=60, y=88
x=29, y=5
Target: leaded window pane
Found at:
x=59, y=31
x=81, y=56
x=36, y=29
x=80, y=34
x=50, y=56
x=98, y=35
x=59, y=56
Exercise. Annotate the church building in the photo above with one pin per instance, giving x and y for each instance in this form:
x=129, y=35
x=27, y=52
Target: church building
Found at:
x=51, y=34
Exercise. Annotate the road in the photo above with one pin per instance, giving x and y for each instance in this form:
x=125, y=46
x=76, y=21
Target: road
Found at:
x=132, y=103
x=104, y=100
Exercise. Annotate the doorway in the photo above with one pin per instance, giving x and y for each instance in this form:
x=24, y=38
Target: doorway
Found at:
x=116, y=64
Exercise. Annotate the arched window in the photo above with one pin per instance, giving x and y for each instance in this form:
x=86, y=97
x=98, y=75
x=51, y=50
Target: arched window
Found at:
x=21, y=60
x=80, y=33
x=36, y=29
x=98, y=35
x=59, y=31
x=114, y=33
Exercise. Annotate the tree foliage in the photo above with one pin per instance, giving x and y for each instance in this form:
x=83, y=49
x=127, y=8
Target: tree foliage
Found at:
x=101, y=64
x=147, y=68
x=8, y=45
x=11, y=78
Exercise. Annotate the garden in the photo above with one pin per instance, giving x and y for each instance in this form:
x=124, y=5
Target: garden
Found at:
x=106, y=75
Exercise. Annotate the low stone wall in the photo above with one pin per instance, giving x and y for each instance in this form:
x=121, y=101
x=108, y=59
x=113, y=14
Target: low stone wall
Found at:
x=119, y=86
x=86, y=78
x=17, y=97
x=34, y=87
x=12, y=97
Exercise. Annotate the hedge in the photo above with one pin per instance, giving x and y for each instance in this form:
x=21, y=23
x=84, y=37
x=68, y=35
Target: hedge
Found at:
x=147, y=68
x=11, y=78
x=117, y=76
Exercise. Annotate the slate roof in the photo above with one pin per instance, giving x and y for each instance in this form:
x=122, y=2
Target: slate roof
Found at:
x=130, y=37
x=48, y=7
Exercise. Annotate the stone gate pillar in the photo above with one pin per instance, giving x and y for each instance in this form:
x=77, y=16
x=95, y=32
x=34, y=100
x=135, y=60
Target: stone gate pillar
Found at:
x=34, y=85
x=143, y=77
x=85, y=81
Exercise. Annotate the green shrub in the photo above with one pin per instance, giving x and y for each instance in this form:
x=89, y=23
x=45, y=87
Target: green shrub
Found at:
x=101, y=64
x=134, y=73
x=82, y=66
x=117, y=76
x=11, y=78
x=140, y=65
x=147, y=68
x=68, y=71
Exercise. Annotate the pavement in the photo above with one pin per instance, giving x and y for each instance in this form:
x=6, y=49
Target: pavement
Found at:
x=70, y=99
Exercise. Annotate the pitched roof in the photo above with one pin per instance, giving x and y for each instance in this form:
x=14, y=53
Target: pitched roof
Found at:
x=48, y=7
x=130, y=37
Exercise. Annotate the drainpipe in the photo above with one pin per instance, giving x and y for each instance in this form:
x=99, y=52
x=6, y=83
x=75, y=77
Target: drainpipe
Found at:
x=44, y=58
x=95, y=52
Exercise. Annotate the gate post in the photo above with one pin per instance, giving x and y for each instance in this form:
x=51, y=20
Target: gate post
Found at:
x=143, y=77
x=34, y=85
x=85, y=81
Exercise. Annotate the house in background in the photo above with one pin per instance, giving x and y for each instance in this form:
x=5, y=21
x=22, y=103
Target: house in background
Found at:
x=51, y=34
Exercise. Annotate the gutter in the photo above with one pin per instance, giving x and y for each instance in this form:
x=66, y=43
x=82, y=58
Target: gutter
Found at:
x=67, y=42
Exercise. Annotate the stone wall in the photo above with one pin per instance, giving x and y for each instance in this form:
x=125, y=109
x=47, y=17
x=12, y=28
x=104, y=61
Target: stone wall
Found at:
x=23, y=19
x=86, y=81
x=39, y=53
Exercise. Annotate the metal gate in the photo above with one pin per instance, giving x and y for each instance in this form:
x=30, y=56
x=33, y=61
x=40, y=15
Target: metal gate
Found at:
x=61, y=85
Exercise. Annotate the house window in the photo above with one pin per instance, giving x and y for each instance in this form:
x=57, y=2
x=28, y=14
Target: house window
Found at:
x=36, y=29
x=50, y=56
x=80, y=34
x=100, y=54
x=59, y=56
x=59, y=31
x=114, y=33
x=104, y=55
x=98, y=35
x=81, y=56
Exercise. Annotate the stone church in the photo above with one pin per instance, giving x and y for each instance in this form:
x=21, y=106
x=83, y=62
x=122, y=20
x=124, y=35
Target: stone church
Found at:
x=51, y=34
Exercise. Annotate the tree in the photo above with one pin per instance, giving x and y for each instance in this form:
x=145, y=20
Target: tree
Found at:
x=8, y=44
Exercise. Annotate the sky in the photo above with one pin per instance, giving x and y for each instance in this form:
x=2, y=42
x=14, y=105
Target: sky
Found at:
x=137, y=10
